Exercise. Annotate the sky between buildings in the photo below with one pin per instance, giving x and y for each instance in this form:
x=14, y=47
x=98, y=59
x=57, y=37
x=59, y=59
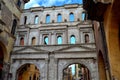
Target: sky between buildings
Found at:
x=48, y=3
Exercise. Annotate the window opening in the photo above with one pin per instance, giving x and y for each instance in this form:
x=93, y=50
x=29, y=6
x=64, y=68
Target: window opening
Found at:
x=86, y=38
x=14, y=26
x=83, y=16
x=33, y=41
x=46, y=40
x=21, y=41
x=71, y=17
x=25, y=19
x=48, y=18
x=36, y=20
x=59, y=18
x=59, y=40
x=72, y=39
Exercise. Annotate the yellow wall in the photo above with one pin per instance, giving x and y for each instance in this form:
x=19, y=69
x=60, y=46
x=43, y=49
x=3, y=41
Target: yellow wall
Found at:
x=111, y=30
x=101, y=66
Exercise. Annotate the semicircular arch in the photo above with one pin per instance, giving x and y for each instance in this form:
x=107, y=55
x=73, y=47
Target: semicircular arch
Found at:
x=4, y=51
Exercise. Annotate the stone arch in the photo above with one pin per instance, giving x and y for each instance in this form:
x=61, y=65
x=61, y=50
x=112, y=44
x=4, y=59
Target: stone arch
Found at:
x=76, y=71
x=90, y=64
x=77, y=62
x=3, y=58
x=101, y=67
x=4, y=50
x=27, y=71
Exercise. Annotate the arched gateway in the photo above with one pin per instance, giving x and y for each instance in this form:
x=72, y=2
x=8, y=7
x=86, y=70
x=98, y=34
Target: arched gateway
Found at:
x=28, y=72
x=76, y=72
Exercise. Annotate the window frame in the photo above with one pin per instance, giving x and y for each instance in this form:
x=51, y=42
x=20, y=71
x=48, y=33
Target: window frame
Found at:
x=58, y=40
x=71, y=40
x=71, y=17
x=47, y=18
x=59, y=18
x=36, y=19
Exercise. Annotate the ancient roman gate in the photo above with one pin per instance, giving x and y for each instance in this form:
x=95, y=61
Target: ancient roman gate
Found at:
x=53, y=38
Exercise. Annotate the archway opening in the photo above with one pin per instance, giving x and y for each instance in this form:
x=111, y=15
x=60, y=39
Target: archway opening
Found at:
x=28, y=72
x=76, y=72
x=1, y=61
x=101, y=66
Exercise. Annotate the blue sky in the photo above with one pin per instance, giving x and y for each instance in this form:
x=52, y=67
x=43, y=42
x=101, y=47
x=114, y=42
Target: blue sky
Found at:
x=48, y=3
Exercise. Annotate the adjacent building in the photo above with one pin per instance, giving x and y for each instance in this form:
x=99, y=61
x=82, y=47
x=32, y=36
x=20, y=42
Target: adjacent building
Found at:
x=10, y=12
x=106, y=19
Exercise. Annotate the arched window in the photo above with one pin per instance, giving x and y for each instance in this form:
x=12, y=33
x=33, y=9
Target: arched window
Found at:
x=36, y=19
x=72, y=39
x=33, y=41
x=71, y=17
x=83, y=16
x=25, y=19
x=59, y=40
x=46, y=40
x=21, y=41
x=47, y=18
x=59, y=18
x=14, y=26
x=86, y=38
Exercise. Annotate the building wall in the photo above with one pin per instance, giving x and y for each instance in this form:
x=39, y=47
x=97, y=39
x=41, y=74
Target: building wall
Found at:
x=52, y=58
x=108, y=41
x=53, y=29
x=111, y=26
x=9, y=12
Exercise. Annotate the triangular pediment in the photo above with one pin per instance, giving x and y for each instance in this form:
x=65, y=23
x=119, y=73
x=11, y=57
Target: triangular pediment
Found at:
x=76, y=48
x=28, y=50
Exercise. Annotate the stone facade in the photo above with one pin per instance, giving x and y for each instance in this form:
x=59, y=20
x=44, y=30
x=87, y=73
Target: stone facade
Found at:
x=52, y=58
x=9, y=17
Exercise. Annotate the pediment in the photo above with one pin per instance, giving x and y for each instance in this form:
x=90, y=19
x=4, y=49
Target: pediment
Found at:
x=76, y=48
x=28, y=50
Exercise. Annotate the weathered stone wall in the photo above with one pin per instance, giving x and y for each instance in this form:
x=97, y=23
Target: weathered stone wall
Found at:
x=53, y=58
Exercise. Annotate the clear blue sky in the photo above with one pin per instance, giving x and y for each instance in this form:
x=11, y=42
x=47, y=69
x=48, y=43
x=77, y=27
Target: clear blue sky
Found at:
x=48, y=3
